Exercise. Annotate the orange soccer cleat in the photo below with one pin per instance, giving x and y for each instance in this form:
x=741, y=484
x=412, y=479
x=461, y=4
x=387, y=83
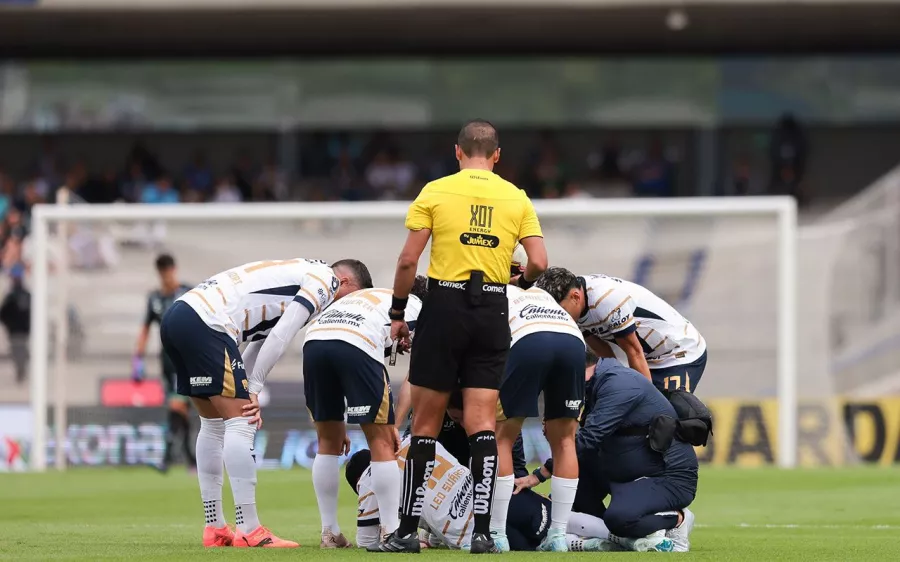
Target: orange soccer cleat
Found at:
x=217, y=536
x=261, y=538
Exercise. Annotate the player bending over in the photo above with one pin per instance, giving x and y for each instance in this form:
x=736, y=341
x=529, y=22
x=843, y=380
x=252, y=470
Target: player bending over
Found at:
x=343, y=359
x=264, y=304
x=158, y=302
x=546, y=357
x=658, y=341
x=447, y=512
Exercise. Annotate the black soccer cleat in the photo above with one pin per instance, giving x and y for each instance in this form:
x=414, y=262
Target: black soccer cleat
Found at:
x=483, y=544
x=395, y=543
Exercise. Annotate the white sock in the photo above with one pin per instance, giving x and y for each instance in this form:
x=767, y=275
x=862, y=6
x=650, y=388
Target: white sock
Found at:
x=585, y=525
x=210, y=470
x=241, y=467
x=326, y=473
x=387, y=481
x=562, y=496
x=503, y=493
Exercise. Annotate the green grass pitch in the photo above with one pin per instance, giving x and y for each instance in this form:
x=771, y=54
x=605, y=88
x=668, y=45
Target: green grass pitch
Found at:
x=136, y=514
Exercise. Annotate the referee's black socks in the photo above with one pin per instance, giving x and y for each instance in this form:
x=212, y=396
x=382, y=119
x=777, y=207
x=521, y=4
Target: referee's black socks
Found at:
x=416, y=473
x=483, y=448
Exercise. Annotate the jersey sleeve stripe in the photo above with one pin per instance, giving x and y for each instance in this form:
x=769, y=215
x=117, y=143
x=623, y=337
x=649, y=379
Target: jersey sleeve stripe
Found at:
x=312, y=298
x=309, y=306
x=206, y=302
x=596, y=304
x=327, y=287
x=221, y=294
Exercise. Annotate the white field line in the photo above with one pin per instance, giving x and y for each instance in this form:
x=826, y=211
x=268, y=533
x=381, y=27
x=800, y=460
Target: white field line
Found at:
x=800, y=526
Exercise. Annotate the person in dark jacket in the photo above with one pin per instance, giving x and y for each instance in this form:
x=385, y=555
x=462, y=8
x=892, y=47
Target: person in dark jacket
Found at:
x=15, y=315
x=650, y=491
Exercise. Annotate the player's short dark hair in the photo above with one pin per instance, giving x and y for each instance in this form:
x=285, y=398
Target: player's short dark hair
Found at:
x=360, y=272
x=557, y=281
x=164, y=262
x=420, y=287
x=357, y=464
x=590, y=359
x=478, y=138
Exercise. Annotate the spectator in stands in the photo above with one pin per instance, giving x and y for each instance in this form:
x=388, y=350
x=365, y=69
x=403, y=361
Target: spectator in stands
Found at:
x=653, y=175
x=99, y=188
x=132, y=183
x=345, y=178
x=439, y=163
x=271, y=184
x=226, y=191
x=390, y=176
x=160, y=191
x=788, y=151
x=148, y=162
x=610, y=162
x=244, y=176
x=198, y=176
x=15, y=315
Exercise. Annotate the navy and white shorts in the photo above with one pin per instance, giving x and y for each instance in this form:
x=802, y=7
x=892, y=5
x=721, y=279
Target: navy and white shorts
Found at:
x=334, y=370
x=685, y=377
x=548, y=362
x=207, y=362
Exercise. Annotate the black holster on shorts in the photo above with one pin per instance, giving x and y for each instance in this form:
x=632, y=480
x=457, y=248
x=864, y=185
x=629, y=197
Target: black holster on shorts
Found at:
x=475, y=288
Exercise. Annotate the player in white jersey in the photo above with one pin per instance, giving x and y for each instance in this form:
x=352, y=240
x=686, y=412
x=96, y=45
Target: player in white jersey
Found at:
x=343, y=359
x=447, y=511
x=265, y=304
x=657, y=341
x=547, y=356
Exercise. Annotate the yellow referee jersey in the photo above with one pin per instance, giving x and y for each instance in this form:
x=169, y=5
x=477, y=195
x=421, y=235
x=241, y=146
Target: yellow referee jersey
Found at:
x=475, y=218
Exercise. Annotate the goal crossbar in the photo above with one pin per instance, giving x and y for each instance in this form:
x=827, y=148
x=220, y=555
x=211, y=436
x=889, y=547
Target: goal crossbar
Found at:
x=784, y=208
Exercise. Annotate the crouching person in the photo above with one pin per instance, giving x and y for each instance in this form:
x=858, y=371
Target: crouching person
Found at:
x=644, y=460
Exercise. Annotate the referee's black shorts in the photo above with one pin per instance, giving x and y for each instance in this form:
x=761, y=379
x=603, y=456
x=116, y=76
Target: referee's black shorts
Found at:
x=459, y=344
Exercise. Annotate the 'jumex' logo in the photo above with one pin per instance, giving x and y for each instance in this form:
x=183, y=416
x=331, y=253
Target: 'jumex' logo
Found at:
x=481, y=240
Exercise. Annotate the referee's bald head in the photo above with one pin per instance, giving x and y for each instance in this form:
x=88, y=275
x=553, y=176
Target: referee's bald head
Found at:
x=478, y=139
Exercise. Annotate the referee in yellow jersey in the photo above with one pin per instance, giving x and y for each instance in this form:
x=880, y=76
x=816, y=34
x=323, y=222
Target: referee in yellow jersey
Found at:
x=474, y=219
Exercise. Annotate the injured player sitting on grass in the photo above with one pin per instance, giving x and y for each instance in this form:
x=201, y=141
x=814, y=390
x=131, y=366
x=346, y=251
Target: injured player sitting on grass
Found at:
x=447, y=514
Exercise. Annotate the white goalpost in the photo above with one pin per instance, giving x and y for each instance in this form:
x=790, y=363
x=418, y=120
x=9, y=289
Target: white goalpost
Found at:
x=582, y=235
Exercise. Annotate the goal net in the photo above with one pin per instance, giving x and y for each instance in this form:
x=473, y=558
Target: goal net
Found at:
x=728, y=264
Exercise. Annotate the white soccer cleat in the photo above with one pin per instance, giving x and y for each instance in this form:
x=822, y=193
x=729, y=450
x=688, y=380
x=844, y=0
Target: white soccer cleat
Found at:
x=655, y=542
x=681, y=535
x=555, y=541
x=500, y=541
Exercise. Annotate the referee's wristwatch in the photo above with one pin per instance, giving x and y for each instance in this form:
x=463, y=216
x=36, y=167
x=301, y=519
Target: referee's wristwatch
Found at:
x=537, y=473
x=396, y=315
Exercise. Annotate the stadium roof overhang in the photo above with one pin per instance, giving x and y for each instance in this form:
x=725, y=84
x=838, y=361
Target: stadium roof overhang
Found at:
x=571, y=26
